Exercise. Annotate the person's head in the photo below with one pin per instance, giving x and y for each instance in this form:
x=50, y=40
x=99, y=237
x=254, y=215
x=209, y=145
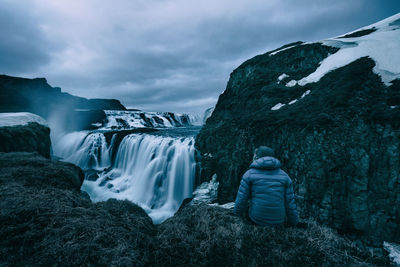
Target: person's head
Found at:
x=263, y=151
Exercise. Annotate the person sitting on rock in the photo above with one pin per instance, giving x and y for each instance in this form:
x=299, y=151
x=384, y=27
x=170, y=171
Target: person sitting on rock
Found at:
x=269, y=190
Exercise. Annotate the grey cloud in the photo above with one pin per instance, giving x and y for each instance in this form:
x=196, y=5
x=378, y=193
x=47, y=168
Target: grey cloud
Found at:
x=164, y=55
x=21, y=43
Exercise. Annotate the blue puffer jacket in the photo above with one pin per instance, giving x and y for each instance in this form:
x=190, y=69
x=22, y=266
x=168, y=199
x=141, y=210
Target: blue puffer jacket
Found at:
x=270, y=191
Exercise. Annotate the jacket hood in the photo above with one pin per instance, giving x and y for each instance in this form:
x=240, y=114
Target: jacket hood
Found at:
x=266, y=163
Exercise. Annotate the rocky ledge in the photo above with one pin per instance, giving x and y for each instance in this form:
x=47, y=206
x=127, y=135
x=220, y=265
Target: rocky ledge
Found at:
x=45, y=220
x=24, y=131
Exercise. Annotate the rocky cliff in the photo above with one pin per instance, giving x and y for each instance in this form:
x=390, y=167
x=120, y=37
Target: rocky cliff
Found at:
x=331, y=110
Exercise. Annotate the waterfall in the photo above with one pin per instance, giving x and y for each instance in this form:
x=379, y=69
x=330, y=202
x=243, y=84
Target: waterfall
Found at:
x=88, y=151
x=121, y=119
x=155, y=172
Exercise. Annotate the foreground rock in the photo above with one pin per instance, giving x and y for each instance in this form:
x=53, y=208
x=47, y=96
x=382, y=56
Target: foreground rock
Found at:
x=211, y=236
x=331, y=110
x=24, y=131
x=45, y=221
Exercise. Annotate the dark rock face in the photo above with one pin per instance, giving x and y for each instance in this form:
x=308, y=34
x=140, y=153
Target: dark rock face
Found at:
x=32, y=137
x=340, y=144
x=44, y=220
x=37, y=96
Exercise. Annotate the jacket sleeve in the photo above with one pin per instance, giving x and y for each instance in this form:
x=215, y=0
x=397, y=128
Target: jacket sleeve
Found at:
x=291, y=209
x=242, y=195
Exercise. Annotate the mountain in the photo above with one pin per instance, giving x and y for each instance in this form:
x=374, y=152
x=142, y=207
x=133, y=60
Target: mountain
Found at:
x=37, y=96
x=331, y=111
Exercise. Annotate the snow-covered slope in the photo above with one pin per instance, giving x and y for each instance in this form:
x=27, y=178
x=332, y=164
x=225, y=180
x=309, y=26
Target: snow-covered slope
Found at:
x=20, y=118
x=379, y=41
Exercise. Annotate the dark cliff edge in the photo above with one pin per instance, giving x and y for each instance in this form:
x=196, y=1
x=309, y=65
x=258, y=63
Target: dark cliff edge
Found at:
x=340, y=144
x=45, y=221
x=32, y=137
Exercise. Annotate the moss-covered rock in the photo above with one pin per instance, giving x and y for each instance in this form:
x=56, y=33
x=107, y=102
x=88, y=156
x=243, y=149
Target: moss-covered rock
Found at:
x=32, y=137
x=44, y=221
x=211, y=236
x=340, y=143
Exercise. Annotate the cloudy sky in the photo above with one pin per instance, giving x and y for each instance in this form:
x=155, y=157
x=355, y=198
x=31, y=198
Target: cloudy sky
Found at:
x=162, y=55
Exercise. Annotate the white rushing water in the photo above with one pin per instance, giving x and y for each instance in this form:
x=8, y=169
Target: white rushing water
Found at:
x=156, y=172
x=122, y=119
x=88, y=151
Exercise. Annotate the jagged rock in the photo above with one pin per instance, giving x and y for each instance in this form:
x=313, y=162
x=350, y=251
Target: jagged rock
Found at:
x=338, y=136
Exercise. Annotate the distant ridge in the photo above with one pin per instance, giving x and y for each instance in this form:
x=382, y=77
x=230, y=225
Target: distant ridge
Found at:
x=37, y=96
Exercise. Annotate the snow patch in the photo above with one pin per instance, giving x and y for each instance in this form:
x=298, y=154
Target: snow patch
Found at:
x=305, y=93
x=282, y=76
x=302, y=96
x=394, y=252
x=382, y=46
x=277, y=106
x=20, y=118
x=291, y=83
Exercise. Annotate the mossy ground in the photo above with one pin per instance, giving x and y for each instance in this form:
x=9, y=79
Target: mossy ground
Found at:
x=44, y=221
